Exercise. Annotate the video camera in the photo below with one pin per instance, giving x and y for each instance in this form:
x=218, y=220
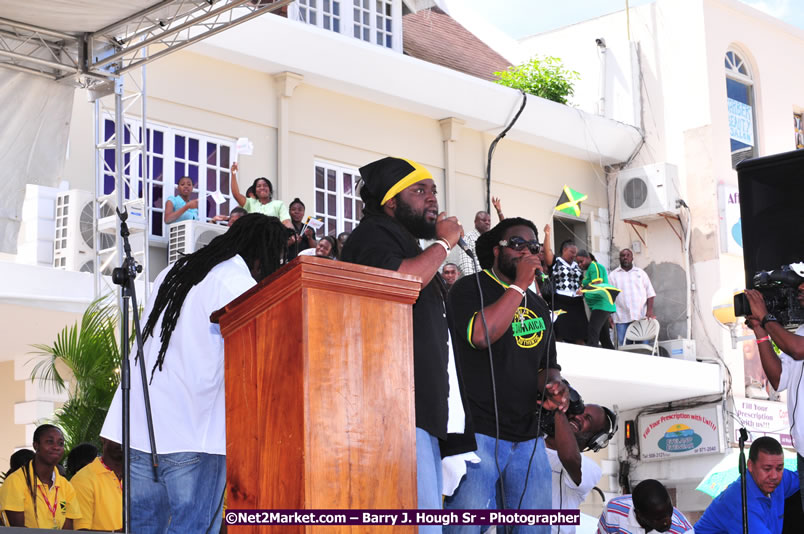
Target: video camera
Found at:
x=548, y=418
x=779, y=289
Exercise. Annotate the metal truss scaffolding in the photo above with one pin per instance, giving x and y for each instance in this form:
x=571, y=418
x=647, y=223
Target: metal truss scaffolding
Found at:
x=102, y=61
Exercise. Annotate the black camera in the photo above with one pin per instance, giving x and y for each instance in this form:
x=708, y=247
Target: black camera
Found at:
x=779, y=289
x=547, y=419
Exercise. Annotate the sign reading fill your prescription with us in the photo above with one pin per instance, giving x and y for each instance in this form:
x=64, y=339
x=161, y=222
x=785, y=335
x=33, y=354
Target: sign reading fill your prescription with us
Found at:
x=678, y=433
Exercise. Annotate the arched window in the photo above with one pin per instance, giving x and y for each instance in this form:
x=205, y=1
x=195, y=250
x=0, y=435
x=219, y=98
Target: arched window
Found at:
x=742, y=108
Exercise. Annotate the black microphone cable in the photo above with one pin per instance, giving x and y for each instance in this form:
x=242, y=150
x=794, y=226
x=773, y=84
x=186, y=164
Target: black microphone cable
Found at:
x=493, y=146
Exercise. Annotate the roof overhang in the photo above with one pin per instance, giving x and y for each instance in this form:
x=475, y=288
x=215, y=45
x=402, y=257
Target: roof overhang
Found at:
x=349, y=66
x=629, y=380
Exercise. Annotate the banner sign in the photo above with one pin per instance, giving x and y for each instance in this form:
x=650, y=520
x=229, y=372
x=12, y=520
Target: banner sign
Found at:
x=679, y=433
x=731, y=231
x=741, y=122
x=763, y=418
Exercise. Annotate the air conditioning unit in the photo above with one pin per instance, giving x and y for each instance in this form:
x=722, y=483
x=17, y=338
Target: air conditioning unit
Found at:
x=73, y=244
x=645, y=193
x=135, y=220
x=186, y=237
x=682, y=349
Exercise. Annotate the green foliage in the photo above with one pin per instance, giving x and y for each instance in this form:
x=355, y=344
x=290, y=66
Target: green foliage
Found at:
x=92, y=355
x=541, y=76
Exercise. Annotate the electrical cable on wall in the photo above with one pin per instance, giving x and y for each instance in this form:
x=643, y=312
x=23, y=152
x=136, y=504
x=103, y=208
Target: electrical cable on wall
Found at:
x=493, y=146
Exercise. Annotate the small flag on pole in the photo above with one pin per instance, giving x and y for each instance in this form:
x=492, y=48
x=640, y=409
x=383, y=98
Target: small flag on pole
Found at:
x=314, y=223
x=570, y=201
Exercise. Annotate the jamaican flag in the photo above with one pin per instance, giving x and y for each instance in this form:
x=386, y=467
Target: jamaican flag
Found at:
x=570, y=201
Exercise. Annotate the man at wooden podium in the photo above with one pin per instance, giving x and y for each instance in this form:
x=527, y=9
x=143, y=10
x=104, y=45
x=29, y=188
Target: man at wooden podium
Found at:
x=400, y=208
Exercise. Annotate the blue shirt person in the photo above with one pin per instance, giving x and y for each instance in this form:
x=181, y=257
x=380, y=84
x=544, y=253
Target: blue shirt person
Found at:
x=767, y=487
x=180, y=207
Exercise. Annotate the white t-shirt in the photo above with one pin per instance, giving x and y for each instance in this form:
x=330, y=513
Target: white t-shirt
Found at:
x=566, y=494
x=792, y=380
x=187, y=395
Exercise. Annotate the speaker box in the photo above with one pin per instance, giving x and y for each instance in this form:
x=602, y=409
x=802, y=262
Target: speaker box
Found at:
x=772, y=211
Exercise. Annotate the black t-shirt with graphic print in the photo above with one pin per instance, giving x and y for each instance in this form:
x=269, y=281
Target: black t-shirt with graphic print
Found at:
x=518, y=356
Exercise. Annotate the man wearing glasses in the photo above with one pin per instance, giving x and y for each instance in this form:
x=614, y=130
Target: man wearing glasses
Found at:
x=515, y=322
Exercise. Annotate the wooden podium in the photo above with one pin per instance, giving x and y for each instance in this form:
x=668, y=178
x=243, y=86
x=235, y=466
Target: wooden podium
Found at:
x=319, y=392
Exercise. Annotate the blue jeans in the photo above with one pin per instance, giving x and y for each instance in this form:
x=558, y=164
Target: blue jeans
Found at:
x=428, y=476
x=188, y=498
x=478, y=489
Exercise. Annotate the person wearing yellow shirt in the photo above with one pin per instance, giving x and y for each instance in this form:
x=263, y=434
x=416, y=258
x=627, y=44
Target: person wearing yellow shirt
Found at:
x=99, y=489
x=37, y=495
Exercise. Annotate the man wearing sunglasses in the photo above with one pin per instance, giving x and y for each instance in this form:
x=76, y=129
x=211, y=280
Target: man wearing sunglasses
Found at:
x=515, y=323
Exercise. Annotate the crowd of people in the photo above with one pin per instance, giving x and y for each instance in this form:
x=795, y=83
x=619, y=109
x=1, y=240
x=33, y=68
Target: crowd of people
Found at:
x=497, y=426
x=259, y=198
x=570, y=283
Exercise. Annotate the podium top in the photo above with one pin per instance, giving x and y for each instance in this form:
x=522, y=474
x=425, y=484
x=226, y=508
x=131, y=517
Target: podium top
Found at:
x=324, y=273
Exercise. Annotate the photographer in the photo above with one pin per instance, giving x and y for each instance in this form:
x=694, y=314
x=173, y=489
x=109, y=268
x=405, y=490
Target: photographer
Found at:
x=574, y=475
x=785, y=370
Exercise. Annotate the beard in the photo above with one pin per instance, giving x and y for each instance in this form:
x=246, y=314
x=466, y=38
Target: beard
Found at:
x=416, y=223
x=506, y=265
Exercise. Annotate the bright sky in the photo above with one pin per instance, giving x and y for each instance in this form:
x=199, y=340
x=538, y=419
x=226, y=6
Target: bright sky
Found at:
x=520, y=18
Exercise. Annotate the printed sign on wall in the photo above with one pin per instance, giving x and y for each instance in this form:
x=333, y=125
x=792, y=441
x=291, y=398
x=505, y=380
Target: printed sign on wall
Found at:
x=731, y=231
x=741, y=122
x=679, y=433
x=763, y=418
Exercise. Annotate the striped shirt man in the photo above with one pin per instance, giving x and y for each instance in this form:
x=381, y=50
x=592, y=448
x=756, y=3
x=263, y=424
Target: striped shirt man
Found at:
x=619, y=518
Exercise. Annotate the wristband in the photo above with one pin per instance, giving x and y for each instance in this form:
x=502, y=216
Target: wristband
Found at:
x=517, y=289
x=444, y=243
x=760, y=340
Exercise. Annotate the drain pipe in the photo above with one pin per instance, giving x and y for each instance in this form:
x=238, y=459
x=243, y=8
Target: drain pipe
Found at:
x=601, y=103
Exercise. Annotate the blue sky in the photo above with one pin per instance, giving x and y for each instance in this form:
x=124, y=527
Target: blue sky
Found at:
x=520, y=18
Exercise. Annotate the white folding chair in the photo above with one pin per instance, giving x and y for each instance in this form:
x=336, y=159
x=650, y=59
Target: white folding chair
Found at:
x=639, y=332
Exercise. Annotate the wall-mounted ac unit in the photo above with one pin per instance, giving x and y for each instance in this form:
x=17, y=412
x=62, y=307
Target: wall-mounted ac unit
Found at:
x=645, y=193
x=74, y=245
x=682, y=349
x=186, y=237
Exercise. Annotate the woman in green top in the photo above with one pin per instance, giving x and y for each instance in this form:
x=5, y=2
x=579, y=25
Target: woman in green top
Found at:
x=264, y=202
x=599, y=296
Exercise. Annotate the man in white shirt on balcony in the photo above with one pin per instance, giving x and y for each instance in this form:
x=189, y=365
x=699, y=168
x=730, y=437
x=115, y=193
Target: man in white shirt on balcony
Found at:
x=636, y=298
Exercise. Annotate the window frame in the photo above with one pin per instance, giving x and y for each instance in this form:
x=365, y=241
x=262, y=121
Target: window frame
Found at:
x=347, y=18
x=133, y=168
x=340, y=218
x=733, y=72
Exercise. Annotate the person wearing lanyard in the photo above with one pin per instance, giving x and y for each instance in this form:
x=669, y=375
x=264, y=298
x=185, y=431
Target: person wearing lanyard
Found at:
x=37, y=496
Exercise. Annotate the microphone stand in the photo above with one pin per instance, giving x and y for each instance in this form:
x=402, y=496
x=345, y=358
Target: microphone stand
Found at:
x=124, y=277
x=743, y=482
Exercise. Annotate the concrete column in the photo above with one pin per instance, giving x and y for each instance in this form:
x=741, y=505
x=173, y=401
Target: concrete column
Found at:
x=286, y=83
x=450, y=131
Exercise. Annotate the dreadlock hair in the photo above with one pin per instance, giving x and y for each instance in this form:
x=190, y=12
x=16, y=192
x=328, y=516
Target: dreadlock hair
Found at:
x=30, y=471
x=484, y=246
x=259, y=239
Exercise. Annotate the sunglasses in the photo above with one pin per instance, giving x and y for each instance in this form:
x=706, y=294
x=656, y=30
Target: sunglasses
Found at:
x=517, y=243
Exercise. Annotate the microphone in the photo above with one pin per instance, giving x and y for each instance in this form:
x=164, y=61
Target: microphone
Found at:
x=464, y=247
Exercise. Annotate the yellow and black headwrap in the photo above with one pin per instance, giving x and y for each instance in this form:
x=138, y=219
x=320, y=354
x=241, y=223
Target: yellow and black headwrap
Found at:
x=386, y=177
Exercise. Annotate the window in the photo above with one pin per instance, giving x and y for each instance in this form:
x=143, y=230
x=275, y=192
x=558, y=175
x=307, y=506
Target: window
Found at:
x=742, y=114
x=373, y=21
x=337, y=202
x=798, y=128
x=173, y=153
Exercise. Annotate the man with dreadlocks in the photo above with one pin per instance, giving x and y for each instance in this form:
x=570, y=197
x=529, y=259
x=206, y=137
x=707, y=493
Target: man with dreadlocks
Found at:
x=400, y=208
x=184, y=356
x=505, y=384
